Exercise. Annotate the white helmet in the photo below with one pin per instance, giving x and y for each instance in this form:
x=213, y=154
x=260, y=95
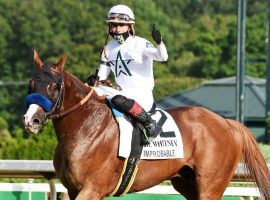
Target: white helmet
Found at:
x=121, y=14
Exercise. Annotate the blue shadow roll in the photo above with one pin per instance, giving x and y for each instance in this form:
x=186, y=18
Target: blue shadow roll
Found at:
x=40, y=100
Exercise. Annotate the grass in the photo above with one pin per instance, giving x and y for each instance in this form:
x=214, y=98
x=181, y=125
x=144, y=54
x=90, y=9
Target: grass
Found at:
x=265, y=149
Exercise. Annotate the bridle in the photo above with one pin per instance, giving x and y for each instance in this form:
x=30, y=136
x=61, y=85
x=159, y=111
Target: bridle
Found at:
x=58, y=103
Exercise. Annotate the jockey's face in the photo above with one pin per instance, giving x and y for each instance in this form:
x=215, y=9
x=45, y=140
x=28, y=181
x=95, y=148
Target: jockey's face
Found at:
x=119, y=28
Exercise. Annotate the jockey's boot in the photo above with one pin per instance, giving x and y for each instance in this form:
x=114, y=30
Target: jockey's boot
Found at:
x=133, y=109
x=150, y=125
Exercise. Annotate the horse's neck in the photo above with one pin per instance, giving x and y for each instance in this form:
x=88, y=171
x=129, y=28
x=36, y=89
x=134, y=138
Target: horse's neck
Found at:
x=84, y=116
x=74, y=90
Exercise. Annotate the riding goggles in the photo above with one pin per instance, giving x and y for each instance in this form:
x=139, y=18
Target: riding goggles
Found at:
x=119, y=18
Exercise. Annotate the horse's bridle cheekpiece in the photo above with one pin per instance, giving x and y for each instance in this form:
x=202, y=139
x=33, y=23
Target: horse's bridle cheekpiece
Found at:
x=60, y=115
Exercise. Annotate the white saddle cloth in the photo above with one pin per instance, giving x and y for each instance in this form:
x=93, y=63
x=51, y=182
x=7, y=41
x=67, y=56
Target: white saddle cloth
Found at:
x=168, y=145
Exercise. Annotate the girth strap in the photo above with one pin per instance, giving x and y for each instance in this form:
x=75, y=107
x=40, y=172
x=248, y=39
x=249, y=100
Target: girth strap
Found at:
x=130, y=167
x=127, y=177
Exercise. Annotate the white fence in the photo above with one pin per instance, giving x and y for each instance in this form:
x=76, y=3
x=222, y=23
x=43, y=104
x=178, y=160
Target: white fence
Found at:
x=44, y=169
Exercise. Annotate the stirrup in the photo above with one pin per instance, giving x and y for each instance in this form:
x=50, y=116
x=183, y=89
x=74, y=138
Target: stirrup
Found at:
x=147, y=139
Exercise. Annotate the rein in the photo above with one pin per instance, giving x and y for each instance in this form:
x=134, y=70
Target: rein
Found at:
x=58, y=103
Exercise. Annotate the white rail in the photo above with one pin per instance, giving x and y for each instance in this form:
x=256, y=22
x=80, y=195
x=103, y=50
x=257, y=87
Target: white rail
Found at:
x=27, y=169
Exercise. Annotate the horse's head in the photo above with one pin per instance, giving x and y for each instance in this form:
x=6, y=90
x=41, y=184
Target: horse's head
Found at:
x=44, y=93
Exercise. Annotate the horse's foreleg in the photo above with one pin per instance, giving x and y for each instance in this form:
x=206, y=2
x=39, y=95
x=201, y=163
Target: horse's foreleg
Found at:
x=185, y=187
x=185, y=183
x=90, y=193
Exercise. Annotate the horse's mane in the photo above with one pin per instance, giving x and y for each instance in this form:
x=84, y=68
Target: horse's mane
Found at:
x=82, y=88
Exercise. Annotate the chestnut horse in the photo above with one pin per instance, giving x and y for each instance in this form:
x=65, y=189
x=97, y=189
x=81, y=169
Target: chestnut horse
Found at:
x=86, y=157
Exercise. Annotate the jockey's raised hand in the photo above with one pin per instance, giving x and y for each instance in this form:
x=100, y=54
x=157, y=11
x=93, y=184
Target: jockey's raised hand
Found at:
x=156, y=34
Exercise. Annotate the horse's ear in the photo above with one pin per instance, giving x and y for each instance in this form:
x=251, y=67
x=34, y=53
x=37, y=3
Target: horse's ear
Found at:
x=39, y=64
x=61, y=62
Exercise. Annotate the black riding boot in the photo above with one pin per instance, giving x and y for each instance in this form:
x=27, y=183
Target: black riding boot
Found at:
x=132, y=108
x=152, y=128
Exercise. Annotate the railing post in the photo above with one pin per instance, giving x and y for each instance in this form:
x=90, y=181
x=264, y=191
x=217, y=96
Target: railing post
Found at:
x=30, y=181
x=240, y=74
x=52, y=189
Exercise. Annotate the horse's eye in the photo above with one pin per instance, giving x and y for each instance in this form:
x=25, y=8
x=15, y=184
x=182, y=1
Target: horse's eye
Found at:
x=31, y=86
x=53, y=91
x=53, y=87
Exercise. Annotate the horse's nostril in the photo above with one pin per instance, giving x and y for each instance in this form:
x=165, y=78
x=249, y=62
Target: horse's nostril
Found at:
x=36, y=121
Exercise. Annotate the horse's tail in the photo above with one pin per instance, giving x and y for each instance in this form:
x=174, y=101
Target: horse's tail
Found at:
x=255, y=162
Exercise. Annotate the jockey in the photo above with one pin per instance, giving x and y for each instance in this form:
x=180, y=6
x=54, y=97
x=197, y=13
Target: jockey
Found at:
x=130, y=58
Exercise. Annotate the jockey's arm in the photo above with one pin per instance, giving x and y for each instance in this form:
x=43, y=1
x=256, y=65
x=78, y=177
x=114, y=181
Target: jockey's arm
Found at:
x=104, y=71
x=159, y=53
x=104, y=67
